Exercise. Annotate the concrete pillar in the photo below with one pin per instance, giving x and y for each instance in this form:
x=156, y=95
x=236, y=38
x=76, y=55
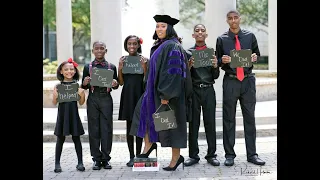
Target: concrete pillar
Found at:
x=169, y=7
x=272, y=32
x=64, y=30
x=106, y=27
x=215, y=22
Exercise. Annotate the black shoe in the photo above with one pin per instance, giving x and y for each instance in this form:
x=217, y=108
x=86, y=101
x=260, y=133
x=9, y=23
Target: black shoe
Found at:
x=57, y=168
x=146, y=155
x=130, y=163
x=229, y=162
x=190, y=162
x=96, y=165
x=106, y=165
x=80, y=167
x=213, y=161
x=256, y=160
x=180, y=160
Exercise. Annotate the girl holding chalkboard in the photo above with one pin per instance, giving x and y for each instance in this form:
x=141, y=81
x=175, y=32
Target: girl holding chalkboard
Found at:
x=132, y=90
x=68, y=119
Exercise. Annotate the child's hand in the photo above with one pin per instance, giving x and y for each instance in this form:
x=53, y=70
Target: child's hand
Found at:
x=86, y=81
x=121, y=62
x=81, y=91
x=191, y=62
x=114, y=83
x=143, y=61
x=55, y=93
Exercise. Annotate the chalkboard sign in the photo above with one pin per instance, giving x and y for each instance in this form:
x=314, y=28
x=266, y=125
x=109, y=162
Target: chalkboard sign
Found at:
x=132, y=65
x=101, y=77
x=202, y=58
x=240, y=58
x=164, y=120
x=68, y=92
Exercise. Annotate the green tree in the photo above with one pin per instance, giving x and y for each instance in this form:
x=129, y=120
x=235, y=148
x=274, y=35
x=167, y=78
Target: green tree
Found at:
x=191, y=10
x=49, y=19
x=253, y=12
x=80, y=19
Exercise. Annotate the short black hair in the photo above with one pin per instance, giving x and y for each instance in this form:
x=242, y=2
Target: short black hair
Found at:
x=233, y=11
x=170, y=33
x=139, y=50
x=99, y=42
x=194, y=28
x=60, y=76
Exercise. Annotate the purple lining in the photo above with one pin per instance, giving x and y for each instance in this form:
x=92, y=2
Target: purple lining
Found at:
x=174, y=53
x=175, y=71
x=148, y=102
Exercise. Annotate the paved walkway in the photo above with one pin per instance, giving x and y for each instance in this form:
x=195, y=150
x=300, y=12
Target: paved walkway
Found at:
x=266, y=148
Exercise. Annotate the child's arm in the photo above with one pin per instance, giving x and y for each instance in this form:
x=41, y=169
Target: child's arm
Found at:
x=82, y=96
x=115, y=83
x=55, y=96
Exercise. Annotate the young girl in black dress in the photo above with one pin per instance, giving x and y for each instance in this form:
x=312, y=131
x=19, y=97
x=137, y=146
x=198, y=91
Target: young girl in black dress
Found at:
x=131, y=91
x=68, y=120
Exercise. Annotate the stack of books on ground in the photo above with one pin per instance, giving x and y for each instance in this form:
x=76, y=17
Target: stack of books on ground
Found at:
x=145, y=164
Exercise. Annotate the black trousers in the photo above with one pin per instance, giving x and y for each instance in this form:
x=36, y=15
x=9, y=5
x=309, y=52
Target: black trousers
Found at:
x=100, y=125
x=245, y=92
x=205, y=98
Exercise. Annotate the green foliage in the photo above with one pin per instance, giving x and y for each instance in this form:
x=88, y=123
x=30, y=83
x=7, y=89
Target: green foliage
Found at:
x=49, y=13
x=253, y=12
x=80, y=19
x=50, y=67
x=191, y=10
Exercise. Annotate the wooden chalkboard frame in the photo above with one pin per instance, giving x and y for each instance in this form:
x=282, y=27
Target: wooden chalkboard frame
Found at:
x=240, y=58
x=68, y=92
x=132, y=65
x=202, y=58
x=101, y=77
x=164, y=120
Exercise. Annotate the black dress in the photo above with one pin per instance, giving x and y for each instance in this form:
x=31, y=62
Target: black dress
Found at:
x=130, y=94
x=68, y=120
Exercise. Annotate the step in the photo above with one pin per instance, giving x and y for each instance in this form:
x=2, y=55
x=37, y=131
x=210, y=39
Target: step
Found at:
x=120, y=135
x=50, y=114
x=121, y=124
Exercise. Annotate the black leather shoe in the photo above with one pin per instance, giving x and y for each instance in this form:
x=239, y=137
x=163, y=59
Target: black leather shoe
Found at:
x=57, y=168
x=107, y=165
x=256, y=160
x=80, y=167
x=213, y=161
x=96, y=165
x=229, y=162
x=190, y=162
x=130, y=163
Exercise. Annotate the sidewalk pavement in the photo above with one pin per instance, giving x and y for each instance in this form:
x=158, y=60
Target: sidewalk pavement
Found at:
x=266, y=148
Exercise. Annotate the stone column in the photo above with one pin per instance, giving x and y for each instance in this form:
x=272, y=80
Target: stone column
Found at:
x=64, y=30
x=106, y=23
x=272, y=33
x=106, y=27
x=169, y=7
x=215, y=22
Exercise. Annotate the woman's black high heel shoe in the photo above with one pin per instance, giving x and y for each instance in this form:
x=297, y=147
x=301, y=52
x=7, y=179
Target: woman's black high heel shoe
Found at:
x=146, y=155
x=180, y=160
